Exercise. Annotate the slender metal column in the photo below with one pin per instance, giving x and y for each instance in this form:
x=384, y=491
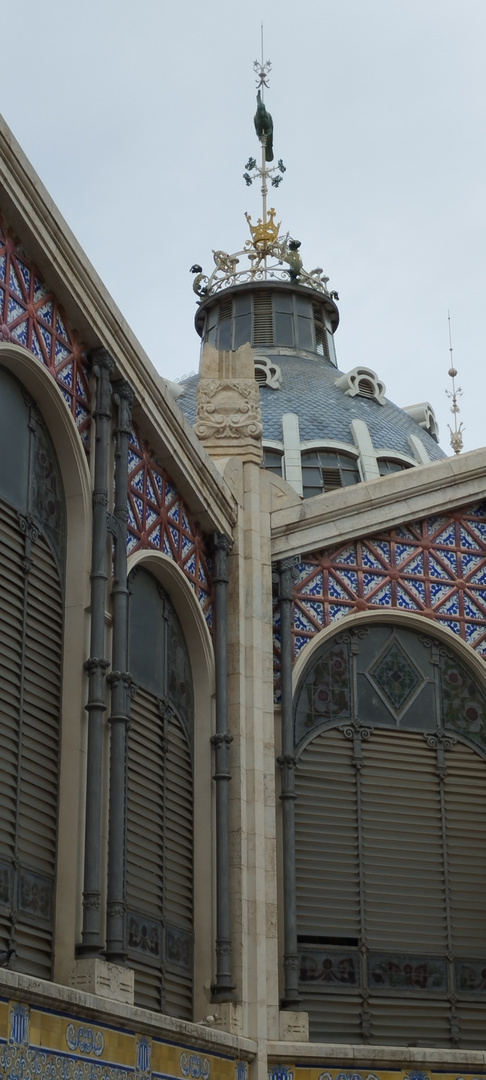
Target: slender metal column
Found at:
x=120, y=684
x=96, y=665
x=222, y=989
x=287, y=764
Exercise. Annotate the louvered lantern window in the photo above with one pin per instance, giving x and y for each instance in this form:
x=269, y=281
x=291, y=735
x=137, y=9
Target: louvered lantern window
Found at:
x=270, y=317
x=31, y=625
x=159, y=858
x=391, y=843
x=325, y=470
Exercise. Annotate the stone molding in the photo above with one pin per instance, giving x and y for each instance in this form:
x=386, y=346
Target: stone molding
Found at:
x=352, y=512
x=228, y=416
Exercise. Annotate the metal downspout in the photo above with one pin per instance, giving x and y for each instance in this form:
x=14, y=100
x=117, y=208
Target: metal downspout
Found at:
x=223, y=988
x=96, y=665
x=120, y=685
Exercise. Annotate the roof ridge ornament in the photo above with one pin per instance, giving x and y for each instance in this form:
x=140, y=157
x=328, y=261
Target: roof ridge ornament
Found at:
x=267, y=255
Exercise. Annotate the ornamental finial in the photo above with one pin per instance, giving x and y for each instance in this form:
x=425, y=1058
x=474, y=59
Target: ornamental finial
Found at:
x=268, y=255
x=456, y=432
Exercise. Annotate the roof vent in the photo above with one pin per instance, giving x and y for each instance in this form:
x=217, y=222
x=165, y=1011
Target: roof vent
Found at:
x=425, y=417
x=363, y=382
x=267, y=374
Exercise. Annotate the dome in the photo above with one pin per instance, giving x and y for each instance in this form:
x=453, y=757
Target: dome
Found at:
x=309, y=388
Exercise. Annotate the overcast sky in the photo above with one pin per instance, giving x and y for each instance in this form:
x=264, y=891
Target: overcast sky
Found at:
x=138, y=117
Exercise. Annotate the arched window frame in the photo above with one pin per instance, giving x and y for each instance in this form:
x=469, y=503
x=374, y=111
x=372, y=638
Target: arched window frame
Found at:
x=74, y=468
x=358, y=731
x=200, y=649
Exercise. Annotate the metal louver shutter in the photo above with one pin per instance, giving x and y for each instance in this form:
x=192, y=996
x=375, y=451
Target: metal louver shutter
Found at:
x=420, y=869
x=145, y=847
x=178, y=873
x=327, y=840
x=465, y=808
x=30, y=680
x=403, y=873
x=159, y=859
x=262, y=319
x=11, y=634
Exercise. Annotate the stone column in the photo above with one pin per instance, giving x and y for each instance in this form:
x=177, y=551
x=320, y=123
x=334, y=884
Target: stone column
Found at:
x=96, y=665
x=120, y=683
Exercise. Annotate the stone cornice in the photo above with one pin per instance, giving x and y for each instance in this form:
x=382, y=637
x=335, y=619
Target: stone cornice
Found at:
x=32, y=214
x=370, y=507
x=350, y=1057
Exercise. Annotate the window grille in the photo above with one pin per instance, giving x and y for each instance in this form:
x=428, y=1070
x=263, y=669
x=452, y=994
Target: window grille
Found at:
x=326, y=470
x=390, y=842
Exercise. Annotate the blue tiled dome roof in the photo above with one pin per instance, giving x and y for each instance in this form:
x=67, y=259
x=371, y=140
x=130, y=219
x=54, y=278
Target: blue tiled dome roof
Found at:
x=324, y=410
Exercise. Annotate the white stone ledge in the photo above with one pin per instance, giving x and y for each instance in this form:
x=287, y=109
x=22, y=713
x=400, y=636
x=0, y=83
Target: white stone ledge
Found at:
x=367, y=508
x=378, y=1057
x=41, y=994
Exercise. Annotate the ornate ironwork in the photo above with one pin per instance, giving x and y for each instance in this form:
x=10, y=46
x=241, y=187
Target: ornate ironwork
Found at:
x=268, y=255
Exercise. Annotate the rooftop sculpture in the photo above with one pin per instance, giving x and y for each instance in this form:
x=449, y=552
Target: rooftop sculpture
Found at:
x=269, y=254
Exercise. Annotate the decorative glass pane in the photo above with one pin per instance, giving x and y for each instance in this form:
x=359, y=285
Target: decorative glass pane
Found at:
x=464, y=702
x=179, y=678
x=147, y=633
x=326, y=691
x=14, y=442
x=396, y=676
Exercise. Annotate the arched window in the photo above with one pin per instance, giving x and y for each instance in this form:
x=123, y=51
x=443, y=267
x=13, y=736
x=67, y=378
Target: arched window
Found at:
x=159, y=803
x=325, y=470
x=389, y=465
x=32, y=525
x=391, y=842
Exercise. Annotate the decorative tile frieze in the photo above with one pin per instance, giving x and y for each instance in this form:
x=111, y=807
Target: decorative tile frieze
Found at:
x=158, y=519
x=38, y=1043
x=435, y=568
x=31, y=316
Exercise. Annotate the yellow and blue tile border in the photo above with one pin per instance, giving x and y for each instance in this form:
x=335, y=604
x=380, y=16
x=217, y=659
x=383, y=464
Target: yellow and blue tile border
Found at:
x=314, y=1072
x=43, y=1044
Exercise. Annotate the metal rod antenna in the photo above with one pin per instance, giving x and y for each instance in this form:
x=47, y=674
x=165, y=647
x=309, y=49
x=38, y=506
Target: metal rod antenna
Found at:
x=456, y=433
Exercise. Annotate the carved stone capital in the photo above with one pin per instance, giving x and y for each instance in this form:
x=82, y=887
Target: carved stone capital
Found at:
x=103, y=365
x=221, y=547
x=228, y=415
x=124, y=397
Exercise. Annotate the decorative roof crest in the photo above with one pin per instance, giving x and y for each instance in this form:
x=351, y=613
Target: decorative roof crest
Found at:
x=264, y=233
x=268, y=255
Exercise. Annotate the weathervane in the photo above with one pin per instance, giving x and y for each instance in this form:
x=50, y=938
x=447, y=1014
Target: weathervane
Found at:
x=456, y=434
x=269, y=254
x=264, y=129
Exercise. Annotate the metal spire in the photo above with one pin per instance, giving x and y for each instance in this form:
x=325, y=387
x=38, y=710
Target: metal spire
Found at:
x=264, y=130
x=270, y=255
x=456, y=433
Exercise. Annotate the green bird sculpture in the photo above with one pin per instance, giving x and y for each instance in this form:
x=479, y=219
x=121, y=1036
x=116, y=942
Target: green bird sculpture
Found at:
x=264, y=126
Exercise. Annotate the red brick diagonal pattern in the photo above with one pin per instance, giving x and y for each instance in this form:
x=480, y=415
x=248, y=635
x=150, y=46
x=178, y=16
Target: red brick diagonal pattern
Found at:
x=31, y=316
x=435, y=567
x=159, y=519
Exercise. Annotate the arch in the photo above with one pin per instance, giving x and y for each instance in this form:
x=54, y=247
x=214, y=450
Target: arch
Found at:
x=390, y=835
x=326, y=468
x=75, y=474
x=200, y=649
x=392, y=616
